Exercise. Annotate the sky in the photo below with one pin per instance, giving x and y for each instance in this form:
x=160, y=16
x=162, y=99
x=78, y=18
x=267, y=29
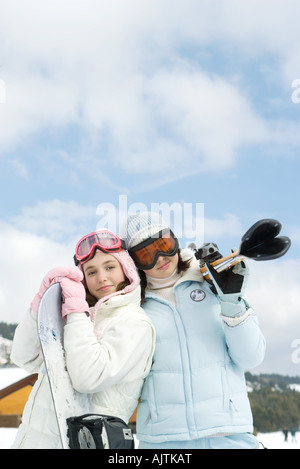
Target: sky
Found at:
x=187, y=107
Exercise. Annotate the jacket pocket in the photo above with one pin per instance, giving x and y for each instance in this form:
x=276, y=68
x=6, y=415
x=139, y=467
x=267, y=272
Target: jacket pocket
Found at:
x=152, y=399
x=148, y=402
x=229, y=404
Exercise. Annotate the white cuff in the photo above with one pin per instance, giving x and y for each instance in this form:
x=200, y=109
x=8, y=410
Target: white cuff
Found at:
x=235, y=321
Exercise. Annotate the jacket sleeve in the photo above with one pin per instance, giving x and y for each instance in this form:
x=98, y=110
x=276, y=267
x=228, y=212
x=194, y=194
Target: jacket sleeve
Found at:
x=246, y=343
x=26, y=350
x=121, y=354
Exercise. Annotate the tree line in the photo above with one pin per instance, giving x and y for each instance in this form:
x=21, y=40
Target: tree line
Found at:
x=7, y=330
x=274, y=404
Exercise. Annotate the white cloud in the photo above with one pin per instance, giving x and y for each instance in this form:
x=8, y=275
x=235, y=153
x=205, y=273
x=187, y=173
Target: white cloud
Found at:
x=208, y=116
x=41, y=238
x=117, y=69
x=25, y=259
x=273, y=292
x=228, y=227
x=56, y=220
x=19, y=169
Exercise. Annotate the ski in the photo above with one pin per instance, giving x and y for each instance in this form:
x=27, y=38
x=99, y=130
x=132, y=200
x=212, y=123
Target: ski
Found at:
x=67, y=402
x=260, y=243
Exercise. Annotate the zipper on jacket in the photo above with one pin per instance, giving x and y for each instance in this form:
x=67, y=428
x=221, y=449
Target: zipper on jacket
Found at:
x=232, y=405
x=187, y=377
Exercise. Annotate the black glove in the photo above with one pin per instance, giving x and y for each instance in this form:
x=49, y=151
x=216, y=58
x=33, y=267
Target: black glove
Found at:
x=229, y=286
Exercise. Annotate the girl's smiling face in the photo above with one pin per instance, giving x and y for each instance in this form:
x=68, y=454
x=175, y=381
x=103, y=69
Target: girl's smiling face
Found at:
x=103, y=273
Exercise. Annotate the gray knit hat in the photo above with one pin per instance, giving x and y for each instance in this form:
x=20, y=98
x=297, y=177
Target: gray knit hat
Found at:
x=142, y=226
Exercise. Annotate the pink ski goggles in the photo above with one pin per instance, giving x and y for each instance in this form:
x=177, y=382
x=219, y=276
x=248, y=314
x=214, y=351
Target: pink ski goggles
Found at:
x=104, y=240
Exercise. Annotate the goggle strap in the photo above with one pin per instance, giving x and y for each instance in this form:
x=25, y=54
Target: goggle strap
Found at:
x=152, y=239
x=107, y=250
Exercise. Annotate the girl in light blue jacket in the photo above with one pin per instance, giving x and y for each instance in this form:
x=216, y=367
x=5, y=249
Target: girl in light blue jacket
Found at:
x=195, y=395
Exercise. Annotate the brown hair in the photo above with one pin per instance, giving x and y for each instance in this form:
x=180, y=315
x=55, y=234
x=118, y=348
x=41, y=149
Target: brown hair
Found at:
x=92, y=300
x=182, y=266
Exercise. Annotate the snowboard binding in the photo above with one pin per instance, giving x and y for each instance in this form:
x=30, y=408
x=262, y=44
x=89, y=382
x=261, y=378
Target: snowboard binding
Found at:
x=94, y=431
x=260, y=243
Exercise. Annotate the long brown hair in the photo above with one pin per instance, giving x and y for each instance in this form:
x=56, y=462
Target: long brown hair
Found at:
x=182, y=266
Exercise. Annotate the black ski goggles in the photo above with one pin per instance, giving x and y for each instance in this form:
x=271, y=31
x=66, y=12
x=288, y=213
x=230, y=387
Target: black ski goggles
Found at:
x=146, y=253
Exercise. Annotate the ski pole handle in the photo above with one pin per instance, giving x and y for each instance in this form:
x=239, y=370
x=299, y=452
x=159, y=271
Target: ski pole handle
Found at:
x=224, y=263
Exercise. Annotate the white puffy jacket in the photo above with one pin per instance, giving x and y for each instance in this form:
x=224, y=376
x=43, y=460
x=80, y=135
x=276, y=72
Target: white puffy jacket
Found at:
x=108, y=359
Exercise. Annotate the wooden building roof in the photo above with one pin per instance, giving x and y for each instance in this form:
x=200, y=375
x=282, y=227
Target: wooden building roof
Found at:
x=27, y=381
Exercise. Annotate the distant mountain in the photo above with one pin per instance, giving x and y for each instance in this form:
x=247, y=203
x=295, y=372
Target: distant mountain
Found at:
x=273, y=380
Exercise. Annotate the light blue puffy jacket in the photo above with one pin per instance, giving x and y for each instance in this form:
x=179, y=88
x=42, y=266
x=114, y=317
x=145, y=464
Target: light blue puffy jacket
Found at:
x=196, y=387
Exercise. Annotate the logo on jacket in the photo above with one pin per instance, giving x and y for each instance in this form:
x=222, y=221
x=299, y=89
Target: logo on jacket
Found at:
x=197, y=295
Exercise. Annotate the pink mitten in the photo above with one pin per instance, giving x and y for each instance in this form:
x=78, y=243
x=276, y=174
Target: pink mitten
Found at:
x=54, y=276
x=73, y=293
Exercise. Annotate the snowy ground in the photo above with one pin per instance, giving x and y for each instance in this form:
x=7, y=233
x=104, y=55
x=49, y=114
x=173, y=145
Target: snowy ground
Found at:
x=7, y=435
x=11, y=375
x=270, y=440
x=276, y=441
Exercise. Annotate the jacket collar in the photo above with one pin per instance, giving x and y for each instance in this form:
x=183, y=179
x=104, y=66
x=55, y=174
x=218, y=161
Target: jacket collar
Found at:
x=117, y=300
x=193, y=273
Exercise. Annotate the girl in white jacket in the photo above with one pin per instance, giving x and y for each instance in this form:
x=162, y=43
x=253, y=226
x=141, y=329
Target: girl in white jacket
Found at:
x=109, y=340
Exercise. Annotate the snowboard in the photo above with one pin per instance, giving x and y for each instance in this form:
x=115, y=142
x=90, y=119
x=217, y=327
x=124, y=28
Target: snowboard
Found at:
x=66, y=400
